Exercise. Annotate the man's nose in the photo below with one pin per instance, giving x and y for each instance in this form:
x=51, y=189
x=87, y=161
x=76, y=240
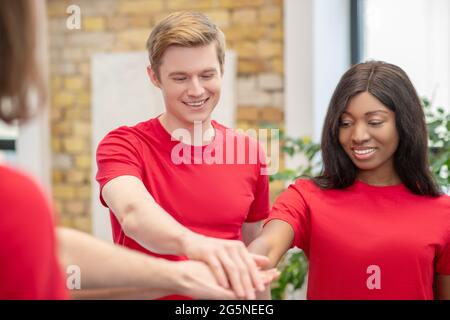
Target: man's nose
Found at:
x=195, y=88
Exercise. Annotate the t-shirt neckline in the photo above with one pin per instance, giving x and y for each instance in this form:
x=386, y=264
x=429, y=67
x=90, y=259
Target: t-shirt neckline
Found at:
x=387, y=188
x=167, y=137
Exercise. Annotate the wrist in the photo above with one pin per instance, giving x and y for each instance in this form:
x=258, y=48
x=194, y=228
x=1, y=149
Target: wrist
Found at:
x=176, y=278
x=188, y=242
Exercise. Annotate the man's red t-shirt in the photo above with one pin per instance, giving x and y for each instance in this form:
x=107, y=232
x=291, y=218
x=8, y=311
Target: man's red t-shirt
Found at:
x=208, y=198
x=368, y=242
x=28, y=261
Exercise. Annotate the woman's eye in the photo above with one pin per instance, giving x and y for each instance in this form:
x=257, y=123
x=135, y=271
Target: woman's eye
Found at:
x=344, y=123
x=375, y=123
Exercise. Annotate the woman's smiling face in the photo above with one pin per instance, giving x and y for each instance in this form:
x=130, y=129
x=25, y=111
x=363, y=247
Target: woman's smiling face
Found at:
x=368, y=135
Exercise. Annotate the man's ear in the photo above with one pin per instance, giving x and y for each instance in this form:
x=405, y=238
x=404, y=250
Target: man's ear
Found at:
x=153, y=77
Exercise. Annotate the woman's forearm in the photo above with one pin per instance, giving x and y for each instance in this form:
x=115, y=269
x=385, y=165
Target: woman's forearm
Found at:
x=117, y=294
x=273, y=242
x=112, y=272
x=104, y=266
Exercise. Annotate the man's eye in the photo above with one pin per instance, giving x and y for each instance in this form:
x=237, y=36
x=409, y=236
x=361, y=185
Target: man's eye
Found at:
x=179, y=78
x=207, y=76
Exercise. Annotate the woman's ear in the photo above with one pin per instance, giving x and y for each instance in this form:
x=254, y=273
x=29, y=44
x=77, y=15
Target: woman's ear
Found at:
x=153, y=77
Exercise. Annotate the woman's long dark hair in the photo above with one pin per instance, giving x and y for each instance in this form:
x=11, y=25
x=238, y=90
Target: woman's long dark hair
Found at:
x=392, y=87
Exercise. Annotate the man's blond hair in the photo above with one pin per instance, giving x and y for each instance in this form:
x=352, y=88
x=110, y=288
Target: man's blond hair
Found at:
x=184, y=29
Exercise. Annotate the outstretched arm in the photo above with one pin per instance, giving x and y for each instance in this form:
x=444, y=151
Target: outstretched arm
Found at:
x=143, y=220
x=273, y=242
x=111, y=271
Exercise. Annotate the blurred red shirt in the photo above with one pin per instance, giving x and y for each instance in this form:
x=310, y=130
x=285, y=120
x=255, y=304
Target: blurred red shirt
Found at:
x=29, y=268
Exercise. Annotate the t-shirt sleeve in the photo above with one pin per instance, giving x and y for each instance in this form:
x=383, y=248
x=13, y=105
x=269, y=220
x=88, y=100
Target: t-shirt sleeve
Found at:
x=118, y=154
x=259, y=209
x=292, y=208
x=443, y=259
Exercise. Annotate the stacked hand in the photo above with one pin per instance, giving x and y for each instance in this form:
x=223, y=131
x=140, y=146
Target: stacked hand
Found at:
x=231, y=264
x=195, y=279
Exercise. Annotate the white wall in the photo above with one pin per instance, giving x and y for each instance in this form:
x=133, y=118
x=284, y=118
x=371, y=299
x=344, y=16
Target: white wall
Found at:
x=331, y=54
x=298, y=70
x=415, y=35
x=317, y=53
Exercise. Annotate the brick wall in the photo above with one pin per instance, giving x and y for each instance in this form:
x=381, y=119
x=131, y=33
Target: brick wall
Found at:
x=254, y=28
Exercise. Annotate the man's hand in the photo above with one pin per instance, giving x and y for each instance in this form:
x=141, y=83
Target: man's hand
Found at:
x=231, y=263
x=195, y=279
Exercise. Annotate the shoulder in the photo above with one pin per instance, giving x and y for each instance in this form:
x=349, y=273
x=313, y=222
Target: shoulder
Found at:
x=445, y=200
x=15, y=181
x=440, y=204
x=301, y=189
x=443, y=205
x=129, y=136
x=441, y=211
x=20, y=194
x=128, y=131
x=305, y=185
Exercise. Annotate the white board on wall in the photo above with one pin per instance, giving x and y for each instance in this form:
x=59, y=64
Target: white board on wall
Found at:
x=122, y=94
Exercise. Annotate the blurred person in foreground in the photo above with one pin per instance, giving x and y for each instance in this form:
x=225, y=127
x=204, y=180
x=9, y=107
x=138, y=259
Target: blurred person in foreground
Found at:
x=33, y=253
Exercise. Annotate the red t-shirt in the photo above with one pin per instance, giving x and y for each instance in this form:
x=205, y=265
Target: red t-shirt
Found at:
x=28, y=263
x=368, y=242
x=211, y=199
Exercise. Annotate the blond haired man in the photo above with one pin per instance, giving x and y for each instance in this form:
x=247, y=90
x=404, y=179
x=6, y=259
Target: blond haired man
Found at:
x=178, y=199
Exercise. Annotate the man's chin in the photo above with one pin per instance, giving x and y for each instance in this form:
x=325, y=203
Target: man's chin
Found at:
x=203, y=117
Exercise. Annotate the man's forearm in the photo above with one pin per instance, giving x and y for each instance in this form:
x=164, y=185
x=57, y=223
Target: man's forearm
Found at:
x=156, y=230
x=142, y=218
x=146, y=222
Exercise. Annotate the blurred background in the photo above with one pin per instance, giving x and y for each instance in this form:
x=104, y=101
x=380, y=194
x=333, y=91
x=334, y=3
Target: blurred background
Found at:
x=283, y=62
